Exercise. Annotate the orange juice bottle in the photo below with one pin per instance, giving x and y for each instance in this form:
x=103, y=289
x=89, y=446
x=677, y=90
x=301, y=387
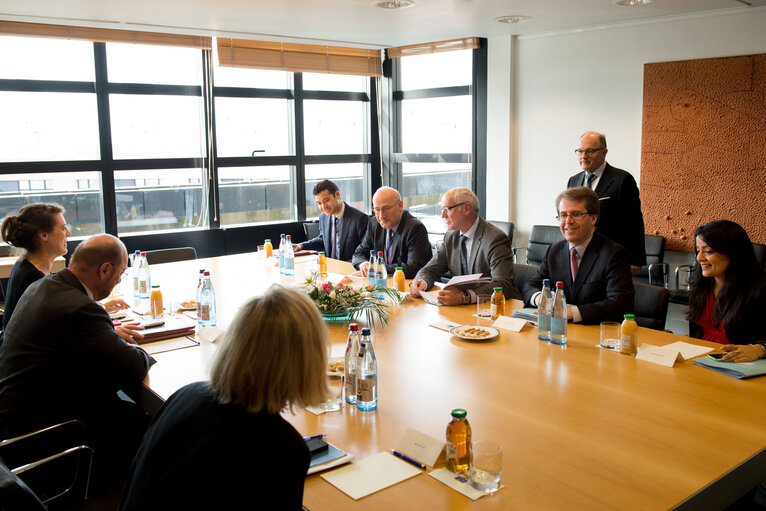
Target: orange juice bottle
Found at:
x=497, y=301
x=322, y=264
x=399, y=279
x=629, y=335
x=458, y=441
x=155, y=302
x=269, y=248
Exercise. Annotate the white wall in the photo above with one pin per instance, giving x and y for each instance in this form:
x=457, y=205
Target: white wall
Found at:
x=565, y=84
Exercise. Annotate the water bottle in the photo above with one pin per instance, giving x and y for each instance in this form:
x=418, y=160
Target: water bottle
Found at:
x=134, y=264
x=206, y=314
x=381, y=273
x=352, y=351
x=282, y=243
x=144, y=277
x=200, y=280
x=559, y=316
x=366, y=374
x=371, y=267
x=289, y=257
x=544, y=313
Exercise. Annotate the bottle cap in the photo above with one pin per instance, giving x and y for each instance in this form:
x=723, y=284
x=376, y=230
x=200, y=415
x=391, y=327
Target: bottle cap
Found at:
x=268, y=240
x=320, y=253
x=459, y=413
x=372, y=252
x=380, y=252
x=288, y=237
x=365, y=331
x=498, y=288
x=207, y=273
x=399, y=268
x=143, y=253
x=547, y=282
x=559, y=284
x=156, y=285
x=202, y=270
x=630, y=316
x=353, y=327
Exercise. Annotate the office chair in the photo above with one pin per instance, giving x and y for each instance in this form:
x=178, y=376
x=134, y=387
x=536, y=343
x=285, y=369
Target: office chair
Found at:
x=541, y=237
x=656, y=270
x=522, y=273
x=311, y=229
x=650, y=305
x=170, y=255
x=506, y=227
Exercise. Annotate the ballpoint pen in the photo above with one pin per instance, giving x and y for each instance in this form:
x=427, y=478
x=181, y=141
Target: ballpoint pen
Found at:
x=408, y=459
x=307, y=438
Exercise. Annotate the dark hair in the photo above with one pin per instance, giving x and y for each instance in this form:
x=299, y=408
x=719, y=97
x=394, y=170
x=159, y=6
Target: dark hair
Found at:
x=744, y=275
x=323, y=185
x=21, y=229
x=578, y=194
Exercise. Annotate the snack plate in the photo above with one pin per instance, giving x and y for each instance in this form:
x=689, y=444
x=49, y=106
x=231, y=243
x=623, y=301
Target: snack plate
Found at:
x=491, y=332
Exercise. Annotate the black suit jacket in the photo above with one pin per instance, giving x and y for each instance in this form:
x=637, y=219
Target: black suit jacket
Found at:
x=353, y=227
x=411, y=248
x=621, y=219
x=603, y=290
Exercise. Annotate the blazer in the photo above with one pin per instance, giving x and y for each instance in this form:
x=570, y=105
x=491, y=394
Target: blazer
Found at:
x=620, y=219
x=603, y=290
x=353, y=227
x=410, y=245
x=490, y=255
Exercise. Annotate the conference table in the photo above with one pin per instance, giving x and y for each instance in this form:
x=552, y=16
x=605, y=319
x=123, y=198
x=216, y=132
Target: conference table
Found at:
x=581, y=427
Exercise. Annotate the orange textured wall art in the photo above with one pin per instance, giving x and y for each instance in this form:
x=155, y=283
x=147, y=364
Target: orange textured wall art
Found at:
x=703, y=149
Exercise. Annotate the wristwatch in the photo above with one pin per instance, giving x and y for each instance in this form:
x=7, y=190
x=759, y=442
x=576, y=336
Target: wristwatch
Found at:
x=466, y=297
x=763, y=347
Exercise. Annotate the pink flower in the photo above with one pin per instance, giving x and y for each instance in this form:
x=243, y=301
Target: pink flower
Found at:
x=340, y=286
x=327, y=287
x=370, y=287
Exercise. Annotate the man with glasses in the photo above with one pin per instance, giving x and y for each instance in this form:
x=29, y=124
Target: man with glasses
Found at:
x=621, y=219
x=471, y=245
x=401, y=237
x=341, y=226
x=62, y=359
x=596, y=271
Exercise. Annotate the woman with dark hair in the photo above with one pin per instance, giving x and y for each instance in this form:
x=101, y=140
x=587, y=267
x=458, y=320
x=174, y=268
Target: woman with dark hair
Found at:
x=41, y=232
x=727, y=298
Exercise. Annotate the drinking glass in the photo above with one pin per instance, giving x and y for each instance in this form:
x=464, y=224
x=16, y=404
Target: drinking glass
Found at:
x=261, y=254
x=484, y=306
x=335, y=380
x=485, y=465
x=610, y=335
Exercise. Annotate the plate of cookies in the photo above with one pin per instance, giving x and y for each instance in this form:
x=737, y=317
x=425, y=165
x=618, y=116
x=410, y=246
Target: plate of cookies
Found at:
x=475, y=332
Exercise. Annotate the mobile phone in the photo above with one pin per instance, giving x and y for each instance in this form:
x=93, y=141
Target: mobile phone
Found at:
x=316, y=445
x=716, y=356
x=153, y=324
x=118, y=315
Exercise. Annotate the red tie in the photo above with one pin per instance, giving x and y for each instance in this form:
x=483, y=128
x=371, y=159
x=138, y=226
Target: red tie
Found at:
x=573, y=263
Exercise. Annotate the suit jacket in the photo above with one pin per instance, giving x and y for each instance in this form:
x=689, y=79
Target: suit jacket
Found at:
x=490, y=255
x=353, y=227
x=621, y=219
x=61, y=358
x=410, y=245
x=603, y=290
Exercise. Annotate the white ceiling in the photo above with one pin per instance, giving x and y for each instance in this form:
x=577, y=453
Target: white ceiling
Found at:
x=347, y=22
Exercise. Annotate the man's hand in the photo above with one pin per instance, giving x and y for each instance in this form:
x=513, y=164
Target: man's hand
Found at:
x=115, y=305
x=297, y=247
x=451, y=296
x=363, y=267
x=416, y=286
x=129, y=332
x=635, y=270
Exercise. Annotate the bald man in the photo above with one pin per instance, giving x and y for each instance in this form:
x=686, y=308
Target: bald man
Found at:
x=62, y=359
x=401, y=237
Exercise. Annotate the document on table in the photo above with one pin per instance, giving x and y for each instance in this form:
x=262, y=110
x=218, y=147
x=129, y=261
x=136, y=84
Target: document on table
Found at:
x=458, y=483
x=671, y=353
x=736, y=369
x=431, y=297
x=369, y=475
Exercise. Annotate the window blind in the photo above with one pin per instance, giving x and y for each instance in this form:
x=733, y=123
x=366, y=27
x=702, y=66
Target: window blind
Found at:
x=468, y=43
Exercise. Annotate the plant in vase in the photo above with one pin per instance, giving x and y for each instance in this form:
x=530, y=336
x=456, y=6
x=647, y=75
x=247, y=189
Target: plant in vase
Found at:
x=339, y=301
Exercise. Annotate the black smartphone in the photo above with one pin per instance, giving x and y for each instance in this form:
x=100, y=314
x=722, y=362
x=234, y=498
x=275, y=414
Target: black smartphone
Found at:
x=316, y=445
x=716, y=356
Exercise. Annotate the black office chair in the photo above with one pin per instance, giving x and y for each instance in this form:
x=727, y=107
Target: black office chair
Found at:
x=541, y=237
x=522, y=273
x=650, y=305
x=760, y=253
x=170, y=255
x=506, y=227
x=656, y=269
x=311, y=229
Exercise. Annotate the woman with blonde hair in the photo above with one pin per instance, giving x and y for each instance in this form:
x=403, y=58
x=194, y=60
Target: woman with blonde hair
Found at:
x=222, y=444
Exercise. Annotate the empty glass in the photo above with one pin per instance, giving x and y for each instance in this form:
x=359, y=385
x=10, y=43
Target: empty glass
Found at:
x=486, y=465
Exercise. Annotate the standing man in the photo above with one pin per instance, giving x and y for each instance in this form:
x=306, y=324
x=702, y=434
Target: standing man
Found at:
x=62, y=359
x=621, y=219
x=341, y=227
x=595, y=271
x=471, y=245
x=401, y=237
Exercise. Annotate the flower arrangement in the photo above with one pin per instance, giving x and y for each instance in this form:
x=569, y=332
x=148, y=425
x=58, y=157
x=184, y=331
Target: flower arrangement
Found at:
x=339, y=299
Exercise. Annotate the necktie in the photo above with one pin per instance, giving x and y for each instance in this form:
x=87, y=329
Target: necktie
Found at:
x=573, y=262
x=589, y=180
x=335, y=236
x=463, y=255
x=389, y=241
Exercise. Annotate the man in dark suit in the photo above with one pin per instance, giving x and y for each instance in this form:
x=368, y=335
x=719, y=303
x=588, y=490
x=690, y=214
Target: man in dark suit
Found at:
x=341, y=227
x=401, y=237
x=595, y=271
x=471, y=245
x=621, y=219
x=62, y=359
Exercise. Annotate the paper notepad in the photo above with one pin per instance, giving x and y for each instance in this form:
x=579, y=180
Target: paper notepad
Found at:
x=458, y=483
x=367, y=476
x=735, y=369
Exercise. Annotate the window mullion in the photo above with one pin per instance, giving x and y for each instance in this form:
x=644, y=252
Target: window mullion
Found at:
x=105, y=137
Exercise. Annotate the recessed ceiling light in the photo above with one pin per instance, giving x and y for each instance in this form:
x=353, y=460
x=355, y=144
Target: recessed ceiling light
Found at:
x=631, y=3
x=512, y=19
x=394, y=4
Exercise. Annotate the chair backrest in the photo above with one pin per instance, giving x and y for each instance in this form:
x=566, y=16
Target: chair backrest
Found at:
x=506, y=227
x=522, y=273
x=15, y=495
x=311, y=229
x=651, y=305
x=170, y=255
x=655, y=253
x=760, y=253
x=541, y=237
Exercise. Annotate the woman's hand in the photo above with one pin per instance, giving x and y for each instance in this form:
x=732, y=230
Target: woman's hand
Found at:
x=742, y=352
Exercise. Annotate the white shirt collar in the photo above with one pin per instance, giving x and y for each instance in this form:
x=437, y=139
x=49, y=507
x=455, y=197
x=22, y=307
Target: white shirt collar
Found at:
x=88, y=291
x=581, y=247
x=339, y=214
x=471, y=230
x=599, y=170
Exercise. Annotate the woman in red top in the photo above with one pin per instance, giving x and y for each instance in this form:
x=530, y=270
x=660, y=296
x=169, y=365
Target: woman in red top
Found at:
x=727, y=299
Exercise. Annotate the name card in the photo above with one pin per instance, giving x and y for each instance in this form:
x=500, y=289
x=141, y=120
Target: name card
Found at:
x=420, y=446
x=509, y=323
x=662, y=355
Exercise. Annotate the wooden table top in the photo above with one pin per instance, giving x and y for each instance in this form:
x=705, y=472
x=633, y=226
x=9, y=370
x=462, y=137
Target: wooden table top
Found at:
x=581, y=427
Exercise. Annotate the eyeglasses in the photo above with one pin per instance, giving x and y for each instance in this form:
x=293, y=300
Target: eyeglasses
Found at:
x=449, y=208
x=123, y=271
x=589, y=152
x=574, y=215
x=384, y=209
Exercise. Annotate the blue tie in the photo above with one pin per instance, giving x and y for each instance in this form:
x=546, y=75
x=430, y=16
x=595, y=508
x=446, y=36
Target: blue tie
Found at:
x=463, y=255
x=589, y=180
x=335, y=236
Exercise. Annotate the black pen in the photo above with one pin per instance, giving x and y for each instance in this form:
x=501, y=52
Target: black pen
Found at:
x=408, y=459
x=307, y=438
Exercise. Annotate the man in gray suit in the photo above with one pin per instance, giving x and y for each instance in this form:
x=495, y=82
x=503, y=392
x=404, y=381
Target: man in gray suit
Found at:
x=472, y=245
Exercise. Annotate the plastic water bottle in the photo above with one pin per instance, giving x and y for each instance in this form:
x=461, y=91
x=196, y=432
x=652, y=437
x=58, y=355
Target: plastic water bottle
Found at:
x=559, y=316
x=134, y=263
x=544, y=313
x=200, y=280
x=352, y=351
x=207, y=314
x=144, y=277
x=381, y=273
x=289, y=257
x=366, y=374
x=282, y=242
x=371, y=267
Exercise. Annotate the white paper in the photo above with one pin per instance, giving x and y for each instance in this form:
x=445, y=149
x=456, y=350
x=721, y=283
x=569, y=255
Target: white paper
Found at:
x=662, y=355
x=334, y=278
x=460, y=279
x=445, y=325
x=367, y=476
x=509, y=323
x=210, y=334
x=689, y=350
x=420, y=446
x=431, y=297
x=458, y=483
